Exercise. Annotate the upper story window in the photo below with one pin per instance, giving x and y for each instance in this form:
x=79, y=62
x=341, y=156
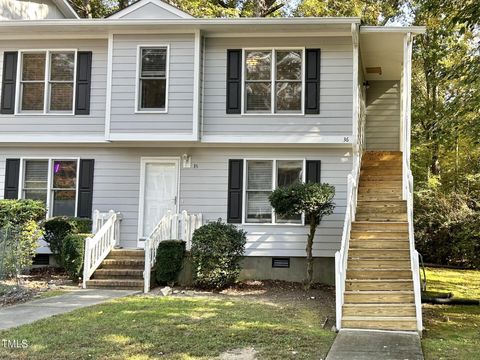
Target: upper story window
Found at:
x=153, y=79
x=53, y=181
x=273, y=81
x=47, y=82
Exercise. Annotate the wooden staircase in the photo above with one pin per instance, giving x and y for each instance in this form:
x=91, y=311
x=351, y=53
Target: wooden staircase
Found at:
x=379, y=285
x=121, y=269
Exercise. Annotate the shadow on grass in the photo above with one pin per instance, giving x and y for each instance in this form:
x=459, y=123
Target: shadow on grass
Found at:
x=174, y=328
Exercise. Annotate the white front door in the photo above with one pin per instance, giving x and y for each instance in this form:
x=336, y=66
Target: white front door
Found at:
x=158, y=193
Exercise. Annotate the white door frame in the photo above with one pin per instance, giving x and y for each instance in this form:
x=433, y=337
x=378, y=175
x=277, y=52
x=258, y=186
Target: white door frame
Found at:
x=143, y=162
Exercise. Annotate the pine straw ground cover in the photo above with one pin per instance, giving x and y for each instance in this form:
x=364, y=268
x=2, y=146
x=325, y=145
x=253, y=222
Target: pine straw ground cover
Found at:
x=276, y=320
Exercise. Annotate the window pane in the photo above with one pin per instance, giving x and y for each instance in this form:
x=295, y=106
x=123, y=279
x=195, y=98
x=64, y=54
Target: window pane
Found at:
x=32, y=96
x=154, y=62
x=64, y=174
x=258, y=206
x=153, y=94
x=36, y=195
x=62, y=66
x=259, y=175
x=36, y=174
x=258, y=96
x=289, y=96
x=64, y=203
x=258, y=65
x=289, y=172
x=33, y=67
x=289, y=65
x=61, y=96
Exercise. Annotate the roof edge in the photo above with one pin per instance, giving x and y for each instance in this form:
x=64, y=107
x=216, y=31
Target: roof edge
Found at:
x=393, y=29
x=65, y=8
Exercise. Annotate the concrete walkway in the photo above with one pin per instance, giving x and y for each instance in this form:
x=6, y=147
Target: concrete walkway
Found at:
x=375, y=345
x=34, y=310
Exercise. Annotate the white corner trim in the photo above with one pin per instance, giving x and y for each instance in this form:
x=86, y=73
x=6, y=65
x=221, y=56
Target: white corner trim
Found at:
x=196, y=83
x=141, y=3
x=108, y=98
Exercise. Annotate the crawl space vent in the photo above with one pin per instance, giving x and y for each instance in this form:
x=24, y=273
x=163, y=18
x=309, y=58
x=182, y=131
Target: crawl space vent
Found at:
x=280, y=262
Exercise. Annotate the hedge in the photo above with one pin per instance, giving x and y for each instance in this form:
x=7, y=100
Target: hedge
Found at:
x=169, y=261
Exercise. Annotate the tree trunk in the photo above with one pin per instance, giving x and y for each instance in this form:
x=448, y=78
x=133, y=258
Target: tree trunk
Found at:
x=311, y=235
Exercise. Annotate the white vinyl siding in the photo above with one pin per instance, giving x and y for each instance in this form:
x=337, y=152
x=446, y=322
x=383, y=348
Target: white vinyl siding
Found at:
x=203, y=188
x=61, y=125
x=179, y=118
x=383, y=116
x=336, y=78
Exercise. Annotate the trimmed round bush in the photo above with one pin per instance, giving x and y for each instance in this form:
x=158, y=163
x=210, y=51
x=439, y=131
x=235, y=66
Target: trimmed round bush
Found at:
x=72, y=253
x=169, y=261
x=58, y=227
x=217, y=249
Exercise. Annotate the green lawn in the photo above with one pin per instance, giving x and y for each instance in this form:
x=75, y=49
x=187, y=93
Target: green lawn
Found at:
x=452, y=332
x=141, y=327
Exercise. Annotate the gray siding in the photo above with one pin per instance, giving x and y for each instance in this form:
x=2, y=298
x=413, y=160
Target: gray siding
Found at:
x=383, y=116
x=150, y=11
x=179, y=118
x=203, y=188
x=335, y=116
x=29, y=10
x=92, y=125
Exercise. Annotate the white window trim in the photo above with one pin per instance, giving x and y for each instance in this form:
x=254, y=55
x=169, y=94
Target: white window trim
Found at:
x=46, y=99
x=137, y=109
x=274, y=185
x=50, y=160
x=272, y=81
x=141, y=203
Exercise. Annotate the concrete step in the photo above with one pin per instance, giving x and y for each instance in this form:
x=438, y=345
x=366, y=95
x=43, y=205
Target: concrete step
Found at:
x=118, y=274
x=123, y=263
x=382, y=310
x=379, y=263
x=115, y=283
x=379, y=253
x=378, y=285
x=380, y=323
x=126, y=254
x=379, y=297
x=378, y=274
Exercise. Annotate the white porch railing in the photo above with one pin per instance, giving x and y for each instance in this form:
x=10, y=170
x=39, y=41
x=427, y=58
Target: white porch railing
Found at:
x=170, y=227
x=106, y=228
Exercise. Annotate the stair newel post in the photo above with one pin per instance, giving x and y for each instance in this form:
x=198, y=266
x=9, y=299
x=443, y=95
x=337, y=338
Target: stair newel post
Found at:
x=339, y=290
x=95, y=222
x=86, y=261
x=147, y=269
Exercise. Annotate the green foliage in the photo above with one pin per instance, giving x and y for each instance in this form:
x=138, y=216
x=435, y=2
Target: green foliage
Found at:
x=217, y=249
x=72, y=253
x=17, y=212
x=447, y=230
x=312, y=199
x=169, y=261
x=58, y=227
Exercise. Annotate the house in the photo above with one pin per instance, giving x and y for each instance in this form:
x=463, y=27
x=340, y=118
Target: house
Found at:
x=170, y=121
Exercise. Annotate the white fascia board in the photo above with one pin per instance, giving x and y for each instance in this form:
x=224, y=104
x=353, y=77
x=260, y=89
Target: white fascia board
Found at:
x=393, y=29
x=66, y=9
x=60, y=138
x=337, y=140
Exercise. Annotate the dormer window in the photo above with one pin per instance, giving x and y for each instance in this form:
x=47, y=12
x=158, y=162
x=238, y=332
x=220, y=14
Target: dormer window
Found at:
x=153, y=79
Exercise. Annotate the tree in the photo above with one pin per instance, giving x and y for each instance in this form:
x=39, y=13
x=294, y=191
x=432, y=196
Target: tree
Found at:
x=312, y=199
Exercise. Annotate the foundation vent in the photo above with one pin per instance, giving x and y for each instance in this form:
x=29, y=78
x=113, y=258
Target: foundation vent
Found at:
x=280, y=262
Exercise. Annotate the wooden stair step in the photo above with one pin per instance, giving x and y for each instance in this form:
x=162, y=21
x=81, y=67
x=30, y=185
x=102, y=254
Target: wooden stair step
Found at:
x=363, y=190
x=382, y=310
x=380, y=197
x=382, y=205
x=380, y=217
x=380, y=177
x=378, y=285
x=382, y=154
x=118, y=273
x=380, y=323
x=376, y=297
x=379, y=253
x=372, y=274
x=379, y=244
x=394, y=226
x=378, y=234
x=379, y=263
x=115, y=283
x=123, y=263
x=381, y=171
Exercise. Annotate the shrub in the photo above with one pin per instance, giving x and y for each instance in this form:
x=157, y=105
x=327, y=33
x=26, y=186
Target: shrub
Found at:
x=169, y=261
x=217, y=249
x=19, y=234
x=312, y=199
x=58, y=227
x=72, y=253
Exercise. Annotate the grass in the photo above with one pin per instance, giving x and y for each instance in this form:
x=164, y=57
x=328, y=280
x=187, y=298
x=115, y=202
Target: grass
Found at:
x=143, y=327
x=50, y=293
x=452, y=331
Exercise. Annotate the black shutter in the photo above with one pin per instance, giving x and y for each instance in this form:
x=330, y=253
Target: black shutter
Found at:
x=234, y=81
x=235, y=191
x=313, y=171
x=85, y=188
x=84, y=76
x=12, y=172
x=9, y=81
x=312, y=81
